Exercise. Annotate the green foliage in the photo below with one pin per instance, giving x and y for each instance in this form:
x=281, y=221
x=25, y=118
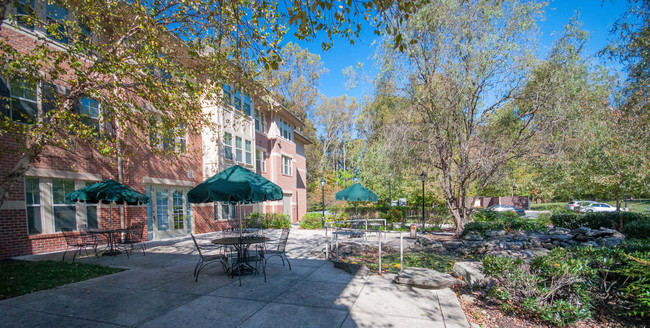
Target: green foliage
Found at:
x=569, y=283
x=22, y=277
x=268, y=220
x=612, y=220
x=639, y=229
x=391, y=262
x=314, y=221
x=392, y=215
x=488, y=220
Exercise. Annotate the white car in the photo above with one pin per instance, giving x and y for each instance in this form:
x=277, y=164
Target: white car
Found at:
x=598, y=207
x=576, y=205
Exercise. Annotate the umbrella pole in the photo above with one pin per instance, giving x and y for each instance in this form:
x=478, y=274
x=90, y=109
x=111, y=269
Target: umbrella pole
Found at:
x=241, y=228
x=110, y=217
x=356, y=209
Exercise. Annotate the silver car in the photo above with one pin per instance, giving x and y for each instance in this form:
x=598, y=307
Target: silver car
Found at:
x=598, y=207
x=577, y=205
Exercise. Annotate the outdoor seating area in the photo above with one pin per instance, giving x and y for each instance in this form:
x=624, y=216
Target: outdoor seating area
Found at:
x=157, y=290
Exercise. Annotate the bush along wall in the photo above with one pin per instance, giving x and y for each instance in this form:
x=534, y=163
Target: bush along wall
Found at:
x=610, y=220
x=268, y=220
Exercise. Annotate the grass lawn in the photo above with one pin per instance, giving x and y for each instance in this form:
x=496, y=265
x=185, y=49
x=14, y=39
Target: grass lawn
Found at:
x=24, y=277
x=639, y=205
x=390, y=262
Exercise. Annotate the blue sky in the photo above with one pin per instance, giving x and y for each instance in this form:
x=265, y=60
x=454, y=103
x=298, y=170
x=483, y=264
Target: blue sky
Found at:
x=597, y=16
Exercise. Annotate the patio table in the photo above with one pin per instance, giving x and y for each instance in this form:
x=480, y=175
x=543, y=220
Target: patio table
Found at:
x=111, y=235
x=241, y=244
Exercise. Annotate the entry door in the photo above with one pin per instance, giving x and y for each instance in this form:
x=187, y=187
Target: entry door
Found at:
x=169, y=213
x=286, y=205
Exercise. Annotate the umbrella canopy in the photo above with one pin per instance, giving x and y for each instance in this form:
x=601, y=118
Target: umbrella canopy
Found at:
x=107, y=191
x=235, y=185
x=357, y=192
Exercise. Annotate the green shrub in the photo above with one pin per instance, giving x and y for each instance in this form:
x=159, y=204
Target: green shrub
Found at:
x=313, y=221
x=639, y=229
x=487, y=220
x=481, y=227
x=392, y=215
x=636, y=269
x=612, y=220
x=568, y=220
x=268, y=220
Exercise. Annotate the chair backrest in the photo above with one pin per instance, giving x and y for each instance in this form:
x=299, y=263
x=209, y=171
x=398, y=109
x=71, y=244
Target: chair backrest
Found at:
x=197, y=246
x=282, y=243
x=135, y=231
x=71, y=237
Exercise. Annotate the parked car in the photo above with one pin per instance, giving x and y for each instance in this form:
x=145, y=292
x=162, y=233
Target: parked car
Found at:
x=598, y=207
x=506, y=208
x=576, y=205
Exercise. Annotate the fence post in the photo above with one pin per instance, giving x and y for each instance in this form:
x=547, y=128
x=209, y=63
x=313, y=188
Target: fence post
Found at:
x=401, y=251
x=327, y=244
x=379, y=252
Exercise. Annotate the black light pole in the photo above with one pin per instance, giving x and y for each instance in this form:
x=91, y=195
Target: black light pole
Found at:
x=322, y=183
x=390, y=193
x=423, y=177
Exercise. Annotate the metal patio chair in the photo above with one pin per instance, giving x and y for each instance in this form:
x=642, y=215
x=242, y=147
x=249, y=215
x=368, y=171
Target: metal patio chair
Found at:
x=279, y=250
x=205, y=259
x=134, y=236
x=74, y=240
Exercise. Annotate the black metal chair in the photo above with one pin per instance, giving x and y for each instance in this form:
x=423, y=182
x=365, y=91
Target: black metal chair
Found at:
x=134, y=236
x=279, y=250
x=205, y=259
x=74, y=240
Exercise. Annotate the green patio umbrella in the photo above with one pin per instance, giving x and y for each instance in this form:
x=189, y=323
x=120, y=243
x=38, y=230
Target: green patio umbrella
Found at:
x=356, y=193
x=107, y=192
x=235, y=185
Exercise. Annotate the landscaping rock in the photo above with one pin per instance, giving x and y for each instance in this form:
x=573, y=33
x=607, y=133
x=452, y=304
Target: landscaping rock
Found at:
x=452, y=244
x=609, y=242
x=473, y=237
x=426, y=278
x=558, y=231
x=495, y=233
x=561, y=237
x=470, y=271
x=424, y=241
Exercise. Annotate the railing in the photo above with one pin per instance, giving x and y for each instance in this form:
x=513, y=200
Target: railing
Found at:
x=336, y=229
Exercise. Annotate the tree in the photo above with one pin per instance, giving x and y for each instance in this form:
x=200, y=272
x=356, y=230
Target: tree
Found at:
x=149, y=61
x=479, y=97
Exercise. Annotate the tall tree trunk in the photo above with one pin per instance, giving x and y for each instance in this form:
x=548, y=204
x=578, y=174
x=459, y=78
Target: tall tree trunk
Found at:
x=17, y=173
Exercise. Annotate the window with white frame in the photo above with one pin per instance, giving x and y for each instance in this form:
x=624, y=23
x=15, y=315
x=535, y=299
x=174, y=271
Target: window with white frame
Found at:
x=33, y=206
x=178, y=210
x=91, y=212
x=228, y=211
x=23, y=101
x=227, y=143
x=286, y=165
x=89, y=111
x=65, y=214
x=249, y=152
x=174, y=139
x=239, y=154
x=259, y=121
x=25, y=10
x=260, y=161
x=285, y=130
x=237, y=99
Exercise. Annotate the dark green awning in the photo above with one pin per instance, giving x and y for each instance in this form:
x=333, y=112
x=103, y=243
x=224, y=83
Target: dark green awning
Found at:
x=107, y=191
x=235, y=185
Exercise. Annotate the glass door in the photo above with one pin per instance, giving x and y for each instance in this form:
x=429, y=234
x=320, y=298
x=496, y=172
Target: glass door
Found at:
x=169, y=212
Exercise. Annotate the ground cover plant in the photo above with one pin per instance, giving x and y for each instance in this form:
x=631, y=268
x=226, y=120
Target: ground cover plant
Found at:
x=482, y=221
x=23, y=277
x=391, y=262
x=572, y=284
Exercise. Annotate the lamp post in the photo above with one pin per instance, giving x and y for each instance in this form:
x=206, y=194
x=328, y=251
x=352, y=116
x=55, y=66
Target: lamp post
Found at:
x=322, y=183
x=390, y=193
x=423, y=177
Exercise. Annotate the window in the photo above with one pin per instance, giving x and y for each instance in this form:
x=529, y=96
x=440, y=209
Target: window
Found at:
x=247, y=105
x=181, y=143
x=227, y=96
x=89, y=111
x=162, y=208
x=285, y=130
x=228, y=211
x=91, y=212
x=227, y=141
x=23, y=101
x=286, y=165
x=173, y=139
x=249, y=152
x=237, y=102
x=259, y=121
x=239, y=156
x=33, y=202
x=25, y=13
x=260, y=163
x=56, y=16
x=177, y=203
x=64, y=212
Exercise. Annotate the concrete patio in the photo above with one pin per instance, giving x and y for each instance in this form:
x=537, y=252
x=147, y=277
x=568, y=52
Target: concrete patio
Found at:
x=158, y=290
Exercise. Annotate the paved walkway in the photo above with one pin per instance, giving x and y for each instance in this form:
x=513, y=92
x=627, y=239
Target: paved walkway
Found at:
x=159, y=290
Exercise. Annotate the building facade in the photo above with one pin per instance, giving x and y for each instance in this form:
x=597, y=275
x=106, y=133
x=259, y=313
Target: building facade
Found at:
x=252, y=133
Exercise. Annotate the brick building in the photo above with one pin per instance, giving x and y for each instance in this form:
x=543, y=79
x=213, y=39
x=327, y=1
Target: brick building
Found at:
x=253, y=133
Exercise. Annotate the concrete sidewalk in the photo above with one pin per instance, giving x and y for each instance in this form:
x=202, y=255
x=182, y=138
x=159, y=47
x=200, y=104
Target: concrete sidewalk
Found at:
x=159, y=290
